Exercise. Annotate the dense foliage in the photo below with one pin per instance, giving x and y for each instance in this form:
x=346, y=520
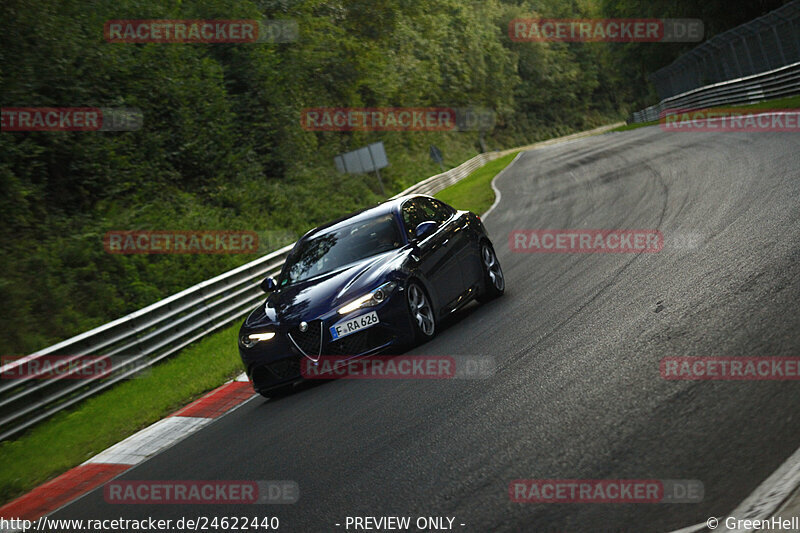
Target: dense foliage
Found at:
x=222, y=147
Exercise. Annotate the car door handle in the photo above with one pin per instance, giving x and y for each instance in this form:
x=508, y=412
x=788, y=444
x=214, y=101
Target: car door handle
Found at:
x=445, y=242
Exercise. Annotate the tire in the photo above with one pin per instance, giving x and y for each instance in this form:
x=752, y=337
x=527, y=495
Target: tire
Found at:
x=423, y=319
x=494, y=282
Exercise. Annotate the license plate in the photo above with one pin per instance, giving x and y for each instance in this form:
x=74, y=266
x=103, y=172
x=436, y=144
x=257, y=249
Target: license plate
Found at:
x=353, y=325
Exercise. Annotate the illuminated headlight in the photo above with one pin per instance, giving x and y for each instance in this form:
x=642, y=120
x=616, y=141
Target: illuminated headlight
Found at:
x=370, y=299
x=248, y=341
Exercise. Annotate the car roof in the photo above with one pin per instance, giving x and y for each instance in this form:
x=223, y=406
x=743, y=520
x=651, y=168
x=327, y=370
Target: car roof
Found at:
x=392, y=205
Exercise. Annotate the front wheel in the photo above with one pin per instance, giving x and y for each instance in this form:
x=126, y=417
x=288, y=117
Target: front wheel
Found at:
x=423, y=320
x=493, y=280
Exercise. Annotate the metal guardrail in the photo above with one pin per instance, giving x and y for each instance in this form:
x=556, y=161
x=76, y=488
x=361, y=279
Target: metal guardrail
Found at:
x=766, y=43
x=777, y=83
x=151, y=334
x=441, y=181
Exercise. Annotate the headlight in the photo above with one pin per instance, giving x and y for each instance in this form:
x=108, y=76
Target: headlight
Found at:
x=370, y=299
x=248, y=341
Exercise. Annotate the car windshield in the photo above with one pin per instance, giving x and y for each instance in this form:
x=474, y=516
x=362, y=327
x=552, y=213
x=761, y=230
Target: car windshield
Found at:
x=341, y=246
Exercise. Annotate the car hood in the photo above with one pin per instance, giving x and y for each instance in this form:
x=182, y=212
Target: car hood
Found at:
x=314, y=297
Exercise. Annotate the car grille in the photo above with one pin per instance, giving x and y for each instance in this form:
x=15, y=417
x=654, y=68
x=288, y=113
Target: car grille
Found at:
x=360, y=342
x=309, y=341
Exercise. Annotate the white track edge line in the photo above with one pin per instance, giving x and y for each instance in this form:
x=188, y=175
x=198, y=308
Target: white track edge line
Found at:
x=497, y=194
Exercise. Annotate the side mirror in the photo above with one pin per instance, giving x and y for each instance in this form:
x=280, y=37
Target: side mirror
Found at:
x=268, y=285
x=425, y=228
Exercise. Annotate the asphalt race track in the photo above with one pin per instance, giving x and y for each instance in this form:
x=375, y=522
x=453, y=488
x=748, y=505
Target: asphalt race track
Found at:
x=577, y=340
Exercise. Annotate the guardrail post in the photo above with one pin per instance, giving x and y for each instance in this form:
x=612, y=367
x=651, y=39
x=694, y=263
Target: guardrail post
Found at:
x=718, y=65
x=749, y=55
x=764, y=51
x=736, y=59
x=778, y=41
x=796, y=32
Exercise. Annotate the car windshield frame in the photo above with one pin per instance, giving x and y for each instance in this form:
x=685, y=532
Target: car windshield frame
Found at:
x=346, y=243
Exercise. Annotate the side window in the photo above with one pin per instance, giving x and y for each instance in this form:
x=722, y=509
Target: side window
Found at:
x=442, y=210
x=433, y=211
x=418, y=210
x=413, y=215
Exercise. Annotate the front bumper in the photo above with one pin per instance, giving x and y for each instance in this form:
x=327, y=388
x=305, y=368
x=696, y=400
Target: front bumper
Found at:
x=278, y=362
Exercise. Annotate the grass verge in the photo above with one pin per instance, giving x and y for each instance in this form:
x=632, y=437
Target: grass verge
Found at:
x=474, y=193
x=778, y=103
x=73, y=436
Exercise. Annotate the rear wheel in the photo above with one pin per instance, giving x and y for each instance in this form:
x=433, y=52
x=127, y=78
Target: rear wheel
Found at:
x=493, y=280
x=422, y=317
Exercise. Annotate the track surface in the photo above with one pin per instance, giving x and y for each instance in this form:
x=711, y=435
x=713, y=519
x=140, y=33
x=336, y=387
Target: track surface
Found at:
x=577, y=339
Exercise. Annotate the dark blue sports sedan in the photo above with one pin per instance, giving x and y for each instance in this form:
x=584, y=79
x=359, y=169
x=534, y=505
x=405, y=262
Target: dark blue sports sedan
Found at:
x=377, y=281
